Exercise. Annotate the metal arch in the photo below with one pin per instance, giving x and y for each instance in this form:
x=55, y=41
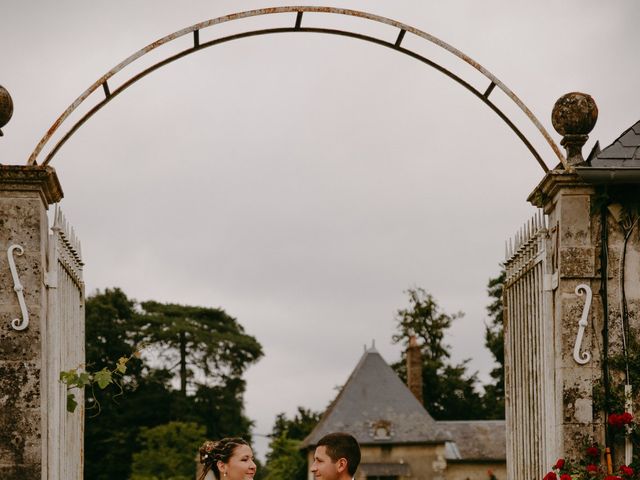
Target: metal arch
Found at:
x=299, y=10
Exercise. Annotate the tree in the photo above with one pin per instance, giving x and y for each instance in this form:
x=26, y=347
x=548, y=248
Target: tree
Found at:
x=116, y=326
x=449, y=391
x=204, y=339
x=285, y=460
x=299, y=426
x=112, y=327
x=168, y=452
x=494, y=341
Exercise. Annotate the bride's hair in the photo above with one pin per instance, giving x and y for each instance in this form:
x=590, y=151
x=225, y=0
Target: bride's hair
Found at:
x=213, y=452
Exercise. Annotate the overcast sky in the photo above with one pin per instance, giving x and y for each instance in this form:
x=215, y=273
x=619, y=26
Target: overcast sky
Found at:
x=302, y=182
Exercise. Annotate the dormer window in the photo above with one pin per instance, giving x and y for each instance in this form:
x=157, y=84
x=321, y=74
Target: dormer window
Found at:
x=381, y=430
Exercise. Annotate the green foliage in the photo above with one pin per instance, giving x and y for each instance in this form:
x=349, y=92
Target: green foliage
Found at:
x=299, y=426
x=204, y=339
x=78, y=379
x=424, y=320
x=617, y=366
x=494, y=340
x=168, y=452
x=449, y=391
x=147, y=399
x=285, y=460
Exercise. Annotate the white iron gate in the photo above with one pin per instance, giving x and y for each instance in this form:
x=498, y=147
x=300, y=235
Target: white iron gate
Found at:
x=529, y=353
x=63, y=350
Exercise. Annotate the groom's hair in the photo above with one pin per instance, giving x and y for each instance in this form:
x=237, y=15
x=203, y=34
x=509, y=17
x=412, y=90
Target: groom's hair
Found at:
x=342, y=445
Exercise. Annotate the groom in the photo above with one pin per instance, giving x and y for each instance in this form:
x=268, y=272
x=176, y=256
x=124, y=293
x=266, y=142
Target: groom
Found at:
x=337, y=457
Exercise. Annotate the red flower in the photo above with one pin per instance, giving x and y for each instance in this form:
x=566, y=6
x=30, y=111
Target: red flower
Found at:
x=559, y=464
x=550, y=476
x=592, y=469
x=619, y=420
x=614, y=420
x=565, y=476
x=612, y=477
x=626, y=418
x=626, y=471
x=593, y=451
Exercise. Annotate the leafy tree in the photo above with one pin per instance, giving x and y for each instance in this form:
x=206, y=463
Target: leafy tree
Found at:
x=285, y=460
x=168, y=452
x=220, y=409
x=299, y=426
x=494, y=341
x=116, y=326
x=111, y=331
x=204, y=339
x=449, y=391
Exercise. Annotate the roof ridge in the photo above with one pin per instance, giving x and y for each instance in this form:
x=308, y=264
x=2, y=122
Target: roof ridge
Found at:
x=332, y=404
x=626, y=131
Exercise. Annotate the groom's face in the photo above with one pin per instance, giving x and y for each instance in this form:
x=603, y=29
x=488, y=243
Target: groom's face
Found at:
x=323, y=467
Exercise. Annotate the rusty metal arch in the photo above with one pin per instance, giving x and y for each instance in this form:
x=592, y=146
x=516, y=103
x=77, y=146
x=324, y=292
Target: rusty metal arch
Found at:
x=297, y=27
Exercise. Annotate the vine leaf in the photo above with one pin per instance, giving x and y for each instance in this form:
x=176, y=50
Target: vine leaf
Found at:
x=103, y=378
x=71, y=403
x=122, y=365
x=78, y=378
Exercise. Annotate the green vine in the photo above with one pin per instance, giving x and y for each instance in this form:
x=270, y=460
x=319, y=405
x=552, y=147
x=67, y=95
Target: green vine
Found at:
x=618, y=362
x=79, y=378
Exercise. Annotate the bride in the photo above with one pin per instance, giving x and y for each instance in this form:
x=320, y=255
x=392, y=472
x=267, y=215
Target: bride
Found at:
x=228, y=459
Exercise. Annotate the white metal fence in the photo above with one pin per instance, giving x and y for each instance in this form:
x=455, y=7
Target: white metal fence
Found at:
x=529, y=346
x=63, y=350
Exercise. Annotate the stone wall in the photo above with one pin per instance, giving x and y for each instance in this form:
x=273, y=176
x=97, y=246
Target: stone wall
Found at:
x=576, y=246
x=25, y=193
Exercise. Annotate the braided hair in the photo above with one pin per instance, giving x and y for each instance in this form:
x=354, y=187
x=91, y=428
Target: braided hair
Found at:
x=220, y=451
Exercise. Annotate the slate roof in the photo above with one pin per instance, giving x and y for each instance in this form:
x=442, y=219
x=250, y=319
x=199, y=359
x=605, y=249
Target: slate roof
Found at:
x=624, y=152
x=618, y=163
x=476, y=440
x=373, y=397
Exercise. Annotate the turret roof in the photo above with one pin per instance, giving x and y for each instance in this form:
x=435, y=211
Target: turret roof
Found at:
x=376, y=407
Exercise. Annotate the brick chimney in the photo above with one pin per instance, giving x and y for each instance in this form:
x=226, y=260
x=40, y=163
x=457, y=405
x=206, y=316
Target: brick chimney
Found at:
x=414, y=368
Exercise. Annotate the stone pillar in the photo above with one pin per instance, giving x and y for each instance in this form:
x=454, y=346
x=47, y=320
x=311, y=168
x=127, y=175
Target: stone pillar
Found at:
x=25, y=193
x=575, y=247
x=595, y=242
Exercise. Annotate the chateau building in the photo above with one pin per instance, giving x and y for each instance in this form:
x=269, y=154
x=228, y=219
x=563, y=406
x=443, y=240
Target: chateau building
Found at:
x=398, y=437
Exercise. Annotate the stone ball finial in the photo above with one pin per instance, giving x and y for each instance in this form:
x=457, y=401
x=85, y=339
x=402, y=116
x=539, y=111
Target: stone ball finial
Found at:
x=574, y=114
x=6, y=107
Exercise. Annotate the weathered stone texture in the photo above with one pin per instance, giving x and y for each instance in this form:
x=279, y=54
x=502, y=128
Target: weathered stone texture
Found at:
x=576, y=245
x=575, y=227
x=577, y=262
x=24, y=195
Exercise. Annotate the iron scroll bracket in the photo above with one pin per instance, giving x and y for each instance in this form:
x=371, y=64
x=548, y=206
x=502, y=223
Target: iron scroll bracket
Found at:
x=17, y=323
x=582, y=357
